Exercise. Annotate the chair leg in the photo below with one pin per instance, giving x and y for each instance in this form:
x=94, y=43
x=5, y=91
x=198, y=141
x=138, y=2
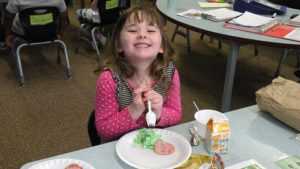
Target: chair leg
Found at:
x=78, y=38
x=19, y=64
x=298, y=59
x=283, y=56
x=297, y=73
x=220, y=45
x=58, y=55
x=174, y=34
x=69, y=71
x=202, y=36
x=93, y=33
x=67, y=18
x=185, y=35
x=211, y=39
x=255, y=50
x=188, y=42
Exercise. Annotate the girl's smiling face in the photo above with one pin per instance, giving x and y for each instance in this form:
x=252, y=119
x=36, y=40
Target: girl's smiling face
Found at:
x=140, y=40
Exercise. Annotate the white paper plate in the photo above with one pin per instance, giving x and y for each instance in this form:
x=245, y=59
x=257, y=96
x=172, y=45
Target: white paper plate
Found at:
x=61, y=164
x=141, y=158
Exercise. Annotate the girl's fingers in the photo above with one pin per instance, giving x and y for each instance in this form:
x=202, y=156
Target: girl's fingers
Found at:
x=155, y=98
x=140, y=90
x=151, y=94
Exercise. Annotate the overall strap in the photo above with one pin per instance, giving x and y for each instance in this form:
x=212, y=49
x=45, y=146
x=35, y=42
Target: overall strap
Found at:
x=124, y=91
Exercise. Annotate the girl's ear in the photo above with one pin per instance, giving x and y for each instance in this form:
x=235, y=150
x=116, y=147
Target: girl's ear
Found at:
x=161, y=49
x=118, y=47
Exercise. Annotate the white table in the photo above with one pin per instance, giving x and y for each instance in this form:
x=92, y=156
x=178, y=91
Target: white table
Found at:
x=233, y=38
x=255, y=135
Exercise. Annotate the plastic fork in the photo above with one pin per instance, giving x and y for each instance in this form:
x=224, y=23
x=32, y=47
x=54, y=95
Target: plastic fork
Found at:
x=150, y=116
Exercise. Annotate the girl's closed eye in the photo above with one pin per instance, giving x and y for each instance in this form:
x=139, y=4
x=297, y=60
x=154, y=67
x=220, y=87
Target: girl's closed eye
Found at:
x=151, y=30
x=132, y=30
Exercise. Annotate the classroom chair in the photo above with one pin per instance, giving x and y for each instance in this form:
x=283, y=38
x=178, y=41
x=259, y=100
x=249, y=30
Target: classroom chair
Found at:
x=92, y=131
x=109, y=12
x=40, y=25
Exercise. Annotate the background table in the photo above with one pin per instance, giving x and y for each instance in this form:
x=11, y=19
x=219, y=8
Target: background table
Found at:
x=254, y=135
x=232, y=37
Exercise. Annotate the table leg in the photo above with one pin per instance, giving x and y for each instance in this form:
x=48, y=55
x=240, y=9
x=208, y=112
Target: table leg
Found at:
x=231, y=64
x=282, y=58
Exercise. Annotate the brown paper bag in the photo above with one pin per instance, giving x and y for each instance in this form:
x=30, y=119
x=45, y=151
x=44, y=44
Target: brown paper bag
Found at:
x=282, y=100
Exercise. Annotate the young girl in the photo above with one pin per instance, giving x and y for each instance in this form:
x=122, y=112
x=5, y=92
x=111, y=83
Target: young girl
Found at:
x=137, y=66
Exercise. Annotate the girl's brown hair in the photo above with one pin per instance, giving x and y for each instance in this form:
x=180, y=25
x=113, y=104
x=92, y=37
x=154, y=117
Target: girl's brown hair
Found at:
x=116, y=61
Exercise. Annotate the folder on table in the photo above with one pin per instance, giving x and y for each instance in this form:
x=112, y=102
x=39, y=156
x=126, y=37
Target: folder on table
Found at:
x=285, y=32
x=220, y=14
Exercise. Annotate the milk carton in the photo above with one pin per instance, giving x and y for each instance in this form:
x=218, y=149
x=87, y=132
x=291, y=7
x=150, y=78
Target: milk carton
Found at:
x=217, y=134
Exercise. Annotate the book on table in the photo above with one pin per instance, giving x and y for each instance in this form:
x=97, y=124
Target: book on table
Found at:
x=252, y=23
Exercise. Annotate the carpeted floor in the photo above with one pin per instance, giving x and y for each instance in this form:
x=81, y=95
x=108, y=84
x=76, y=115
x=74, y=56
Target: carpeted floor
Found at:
x=48, y=116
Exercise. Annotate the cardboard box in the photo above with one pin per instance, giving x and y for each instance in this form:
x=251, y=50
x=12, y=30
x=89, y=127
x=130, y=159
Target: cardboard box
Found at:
x=218, y=135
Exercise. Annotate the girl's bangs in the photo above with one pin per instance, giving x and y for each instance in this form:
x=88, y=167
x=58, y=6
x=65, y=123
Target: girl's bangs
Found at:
x=141, y=15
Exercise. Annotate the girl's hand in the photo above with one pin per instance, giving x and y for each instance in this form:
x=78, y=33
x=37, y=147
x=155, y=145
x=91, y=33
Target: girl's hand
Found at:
x=156, y=102
x=137, y=107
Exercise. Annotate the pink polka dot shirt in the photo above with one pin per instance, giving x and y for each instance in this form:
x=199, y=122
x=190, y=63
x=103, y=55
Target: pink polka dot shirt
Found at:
x=112, y=123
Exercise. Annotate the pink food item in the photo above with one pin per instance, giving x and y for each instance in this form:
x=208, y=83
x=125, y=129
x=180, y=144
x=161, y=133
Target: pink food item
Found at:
x=163, y=148
x=73, y=166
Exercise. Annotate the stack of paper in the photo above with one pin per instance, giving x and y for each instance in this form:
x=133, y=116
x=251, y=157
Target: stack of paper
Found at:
x=294, y=22
x=220, y=14
x=252, y=23
x=191, y=13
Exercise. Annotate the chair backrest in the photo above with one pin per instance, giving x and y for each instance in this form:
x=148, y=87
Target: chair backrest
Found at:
x=125, y=4
x=93, y=135
x=40, y=23
x=109, y=11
